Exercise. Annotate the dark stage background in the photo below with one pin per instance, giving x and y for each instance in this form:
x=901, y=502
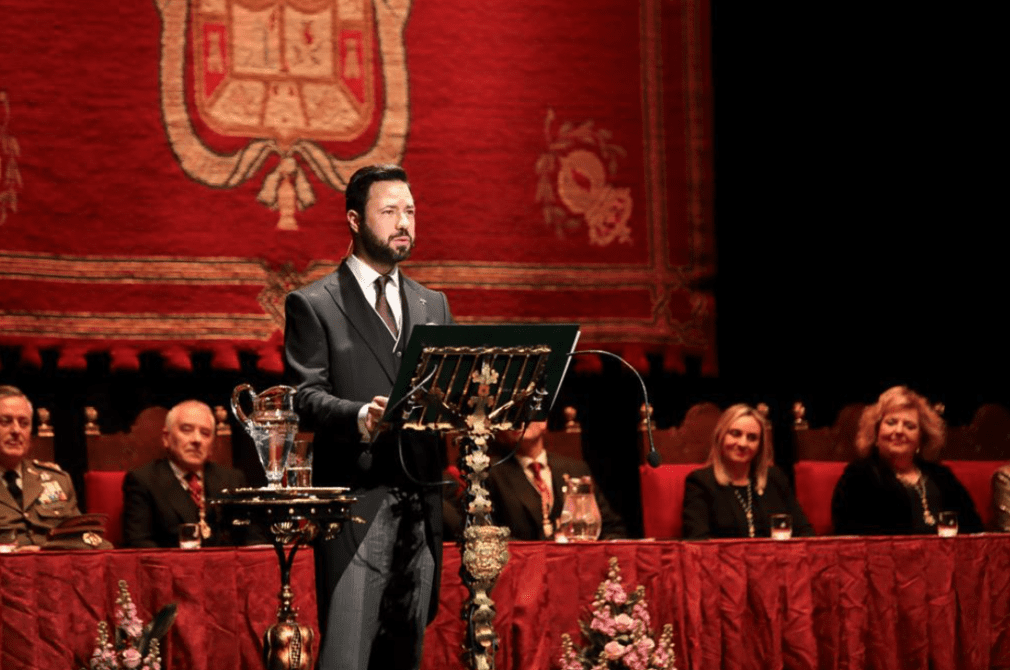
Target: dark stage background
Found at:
x=857, y=244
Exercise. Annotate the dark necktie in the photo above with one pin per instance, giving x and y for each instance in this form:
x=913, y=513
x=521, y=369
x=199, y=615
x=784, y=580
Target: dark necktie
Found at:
x=195, y=488
x=11, y=478
x=382, y=305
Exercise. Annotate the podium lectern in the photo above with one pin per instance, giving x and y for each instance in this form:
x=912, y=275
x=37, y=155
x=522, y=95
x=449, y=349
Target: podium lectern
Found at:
x=475, y=381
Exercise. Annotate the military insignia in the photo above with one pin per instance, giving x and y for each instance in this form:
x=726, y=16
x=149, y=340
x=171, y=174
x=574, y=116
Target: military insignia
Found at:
x=10, y=175
x=298, y=79
x=91, y=539
x=52, y=492
x=576, y=170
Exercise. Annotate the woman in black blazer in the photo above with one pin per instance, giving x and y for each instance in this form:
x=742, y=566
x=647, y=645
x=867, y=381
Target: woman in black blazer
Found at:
x=739, y=490
x=896, y=487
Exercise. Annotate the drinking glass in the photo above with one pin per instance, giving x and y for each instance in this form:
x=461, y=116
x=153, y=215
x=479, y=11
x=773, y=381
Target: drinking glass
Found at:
x=189, y=536
x=782, y=526
x=299, y=465
x=8, y=541
x=947, y=525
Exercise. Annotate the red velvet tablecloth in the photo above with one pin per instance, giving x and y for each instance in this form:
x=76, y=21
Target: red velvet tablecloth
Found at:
x=831, y=603
x=50, y=603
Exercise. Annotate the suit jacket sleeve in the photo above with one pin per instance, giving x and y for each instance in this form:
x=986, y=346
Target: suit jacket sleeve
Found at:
x=307, y=357
x=138, y=513
x=697, y=508
x=956, y=498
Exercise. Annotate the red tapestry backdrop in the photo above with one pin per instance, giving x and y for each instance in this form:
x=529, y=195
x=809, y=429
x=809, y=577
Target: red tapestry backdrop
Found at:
x=169, y=170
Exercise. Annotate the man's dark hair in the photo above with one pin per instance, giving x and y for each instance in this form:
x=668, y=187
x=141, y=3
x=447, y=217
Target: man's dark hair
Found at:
x=362, y=180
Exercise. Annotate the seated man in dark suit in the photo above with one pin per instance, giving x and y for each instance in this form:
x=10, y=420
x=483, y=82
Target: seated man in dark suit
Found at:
x=526, y=490
x=170, y=491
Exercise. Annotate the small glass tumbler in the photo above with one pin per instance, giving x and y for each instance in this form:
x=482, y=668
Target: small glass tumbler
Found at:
x=947, y=524
x=299, y=465
x=189, y=536
x=782, y=526
x=8, y=541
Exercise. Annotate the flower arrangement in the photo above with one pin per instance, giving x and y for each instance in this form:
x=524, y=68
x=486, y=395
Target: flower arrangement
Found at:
x=618, y=634
x=134, y=645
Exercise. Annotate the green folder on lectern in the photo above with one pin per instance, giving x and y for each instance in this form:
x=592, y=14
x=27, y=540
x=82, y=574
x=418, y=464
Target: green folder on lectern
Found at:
x=487, y=368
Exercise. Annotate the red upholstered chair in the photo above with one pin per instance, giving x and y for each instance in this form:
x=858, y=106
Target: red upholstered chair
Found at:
x=663, y=498
x=682, y=449
x=104, y=495
x=815, y=484
x=568, y=440
x=977, y=478
x=111, y=455
x=822, y=454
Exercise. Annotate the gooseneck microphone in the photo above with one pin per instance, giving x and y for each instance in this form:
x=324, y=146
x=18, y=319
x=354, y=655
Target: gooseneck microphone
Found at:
x=653, y=458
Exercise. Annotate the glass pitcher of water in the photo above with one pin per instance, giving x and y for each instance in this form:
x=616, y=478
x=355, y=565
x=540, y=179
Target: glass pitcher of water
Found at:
x=272, y=425
x=580, y=520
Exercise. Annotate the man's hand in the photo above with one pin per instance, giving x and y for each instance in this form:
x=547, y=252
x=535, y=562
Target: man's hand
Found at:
x=376, y=408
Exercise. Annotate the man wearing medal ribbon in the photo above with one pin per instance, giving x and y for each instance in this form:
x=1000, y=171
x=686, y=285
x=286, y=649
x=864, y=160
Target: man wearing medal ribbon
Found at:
x=37, y=497
x=162, y=495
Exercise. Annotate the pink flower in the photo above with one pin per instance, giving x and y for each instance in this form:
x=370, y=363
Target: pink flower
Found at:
x=614, y=650
x=624, y=623
x=615, y=594
x=603, y=622
x=131, y=658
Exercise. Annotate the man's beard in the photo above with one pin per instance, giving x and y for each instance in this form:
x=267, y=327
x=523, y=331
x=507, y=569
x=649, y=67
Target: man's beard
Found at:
x=381, y=251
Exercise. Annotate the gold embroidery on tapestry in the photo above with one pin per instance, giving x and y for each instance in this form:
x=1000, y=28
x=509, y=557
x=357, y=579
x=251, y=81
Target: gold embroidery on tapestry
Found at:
x=575, y=170
x=10, y=175
x=287, y=74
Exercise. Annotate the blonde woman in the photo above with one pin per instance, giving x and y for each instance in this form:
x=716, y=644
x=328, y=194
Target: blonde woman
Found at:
x=896, y=487
x=739, y=490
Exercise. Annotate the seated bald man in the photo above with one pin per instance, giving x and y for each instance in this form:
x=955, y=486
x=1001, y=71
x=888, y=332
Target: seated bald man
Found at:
x=174, y=490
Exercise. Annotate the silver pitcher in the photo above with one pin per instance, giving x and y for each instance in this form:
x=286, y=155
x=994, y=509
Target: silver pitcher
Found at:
x=272, y=425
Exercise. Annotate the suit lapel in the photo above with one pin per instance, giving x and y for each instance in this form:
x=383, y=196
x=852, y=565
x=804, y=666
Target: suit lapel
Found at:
x=558, y=484
x=344, y=290
x=177, y=497
x=31, y=484
x=415, y=307
x=525, y=492
x=5, y=495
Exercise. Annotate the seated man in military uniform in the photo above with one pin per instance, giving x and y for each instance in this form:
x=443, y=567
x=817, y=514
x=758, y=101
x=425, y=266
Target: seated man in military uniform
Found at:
x=36, y=497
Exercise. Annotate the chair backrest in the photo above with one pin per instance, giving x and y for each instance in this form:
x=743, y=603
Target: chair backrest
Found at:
x=142, y=443
x=42, y=442
x=663, y=498
x=831, y=443
x=976, y=476
x=688, y=443
x=103, y=493
x=815, y=484
x=986, y=438
x=568, y=440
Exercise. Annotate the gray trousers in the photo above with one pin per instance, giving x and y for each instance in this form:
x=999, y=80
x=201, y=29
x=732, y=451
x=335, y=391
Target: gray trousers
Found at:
x=379, y=607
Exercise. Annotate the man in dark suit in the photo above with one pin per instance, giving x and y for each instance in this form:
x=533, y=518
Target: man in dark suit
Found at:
x=170, y=491
x=526, y=493
x=343, y=342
